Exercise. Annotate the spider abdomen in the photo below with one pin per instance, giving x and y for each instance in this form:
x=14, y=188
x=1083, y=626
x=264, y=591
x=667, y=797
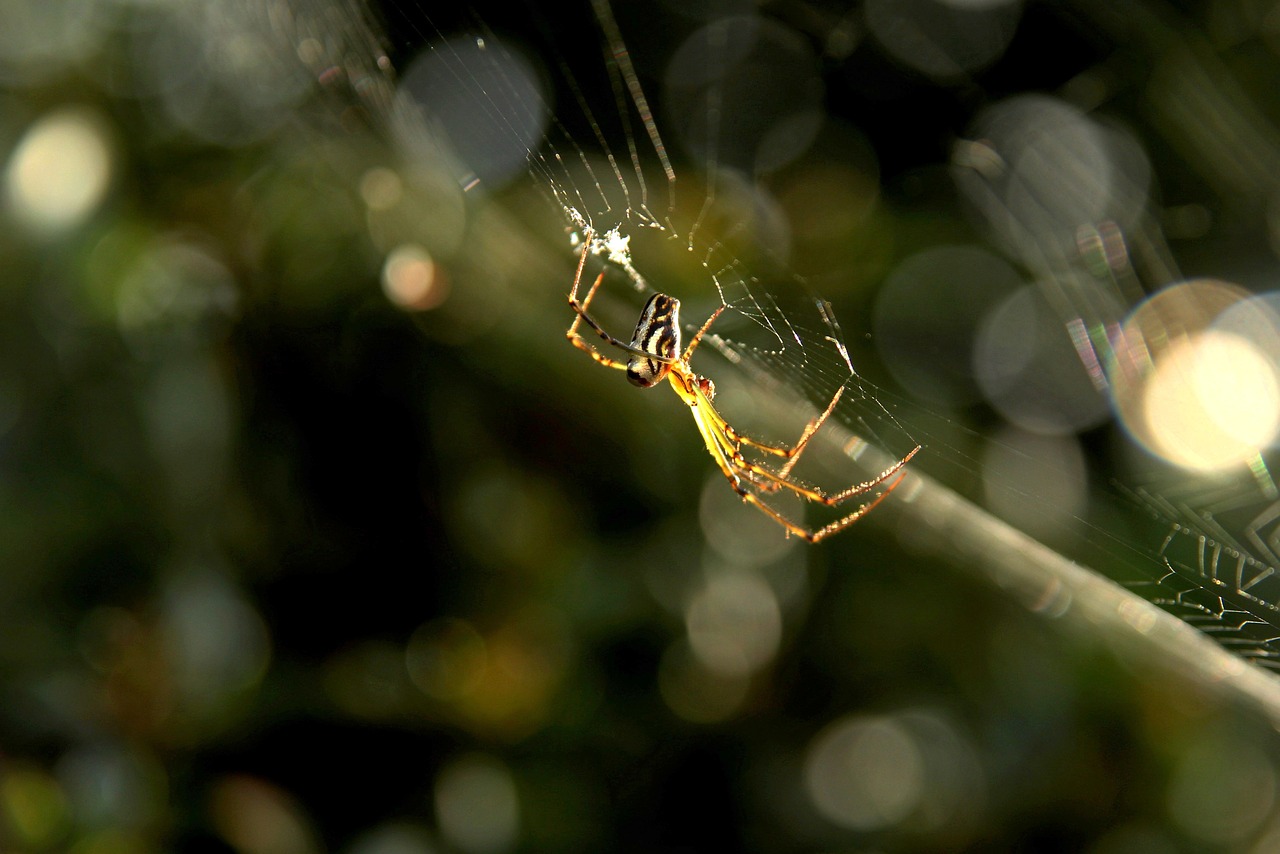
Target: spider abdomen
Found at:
x=658, y=333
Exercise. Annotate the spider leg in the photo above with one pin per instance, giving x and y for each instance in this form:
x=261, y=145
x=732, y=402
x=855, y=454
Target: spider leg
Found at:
x=725, y=455
x=840, y=524
x=768, y=480
x=577, y=277
x=742, y=474
x=697, y=337
x=580, y=308
x=580, y=314
x=811, y=428
x=773, y=481
x=827, y=530
x=791, y=452
x=867, y=485
x=791, y=527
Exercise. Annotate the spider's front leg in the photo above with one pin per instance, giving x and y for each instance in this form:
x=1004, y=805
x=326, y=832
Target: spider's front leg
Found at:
x=580, y=315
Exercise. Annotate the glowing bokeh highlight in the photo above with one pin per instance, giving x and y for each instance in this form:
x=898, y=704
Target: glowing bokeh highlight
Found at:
x=1037, y=169
x=217, y=642
x=1213, y=401
x=60, y=170
x=258, y=817
x=1036, y=371
x=1198, y=395
x=744, y=92
x=446, y=658
x=33, y=807
x=500, y=684
x=911, y=769
x=110, y=783
x=730, y=525
x=929, y=314
x=412, y=280
x=381, y=188
x=213, y=72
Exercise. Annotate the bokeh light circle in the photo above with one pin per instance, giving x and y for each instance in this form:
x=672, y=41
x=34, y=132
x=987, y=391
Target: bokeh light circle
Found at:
x=1017, y=464
x=1222, y=789
x=694, y=691
x=214, y=73
x=734, y=623
x=1034, y=369
x=477, y=804
x=449, y=80
x=864, y=773
x=60, y=170
x=928, y=315
x=1037, y=169
x=744, y=92
x=1200, y=395
x=412, y=279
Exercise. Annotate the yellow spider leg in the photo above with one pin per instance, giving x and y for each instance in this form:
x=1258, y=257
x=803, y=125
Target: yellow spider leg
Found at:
x=841, y=524
x=792, y=527
x=793, y=452
x=577, y=278
x=779, y=480
x=782, y=477
x=750, y=480
x=719, y=441
x=580, y=315
x=720, y=447
x=809, y=430
x=727, y=442
x=716, y=442
x=859, y=488
x=693, y=342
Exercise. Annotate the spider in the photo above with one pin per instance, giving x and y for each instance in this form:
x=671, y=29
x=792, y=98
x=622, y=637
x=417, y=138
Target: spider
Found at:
x=654, y=354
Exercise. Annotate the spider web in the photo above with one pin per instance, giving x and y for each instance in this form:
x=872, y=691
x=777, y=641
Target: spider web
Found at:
x=1219, y=552
x=1070, y=195
x=688, y=220
x=682, y=213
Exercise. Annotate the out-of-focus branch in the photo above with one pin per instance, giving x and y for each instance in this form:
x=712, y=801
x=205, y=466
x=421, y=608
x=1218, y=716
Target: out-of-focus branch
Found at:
x=957, y=532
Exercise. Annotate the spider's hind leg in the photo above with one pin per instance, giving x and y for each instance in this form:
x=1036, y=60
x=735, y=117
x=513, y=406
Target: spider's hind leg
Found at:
x=791, y=453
